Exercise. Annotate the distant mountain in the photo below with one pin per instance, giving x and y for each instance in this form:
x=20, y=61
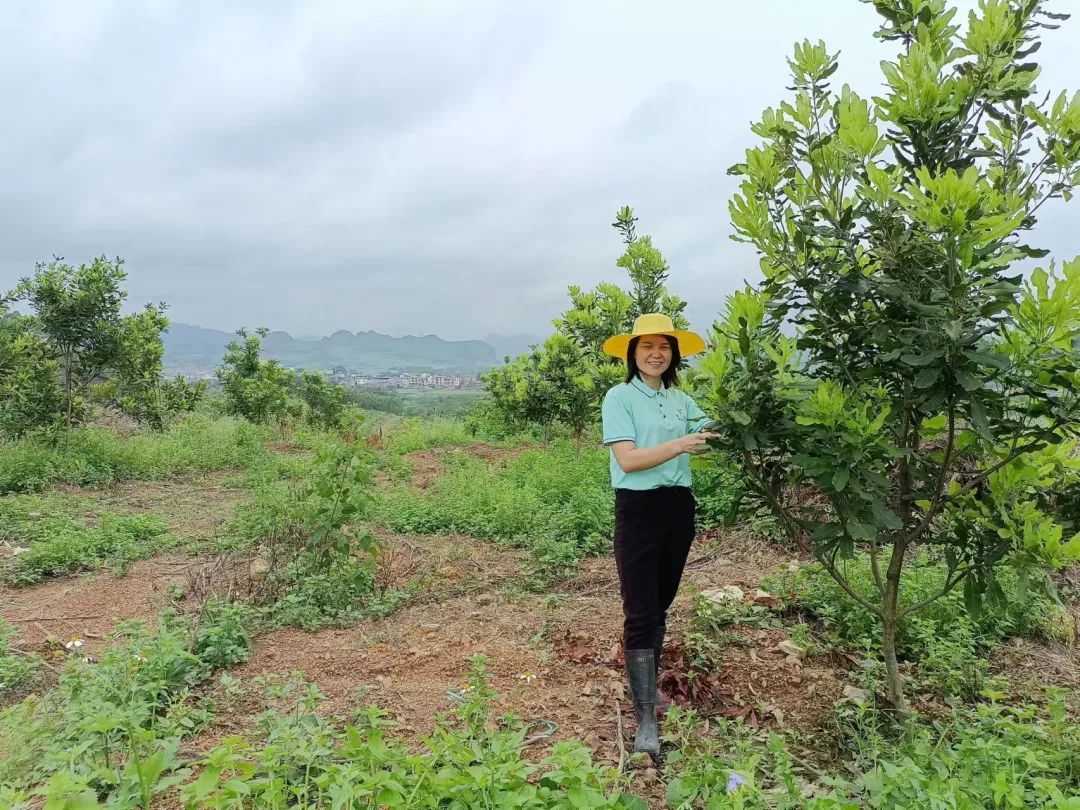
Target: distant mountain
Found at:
x=511, y=345
x=196, y=350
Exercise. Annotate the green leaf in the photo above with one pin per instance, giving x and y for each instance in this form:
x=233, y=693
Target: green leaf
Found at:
x=886, y=516
x=740, y=417
x=927, y=377
x=840, y=478
x=972, y=596
x=979, y=420
x=967, y=380
x=921, y=359
x=862, y=531
x=992, y=359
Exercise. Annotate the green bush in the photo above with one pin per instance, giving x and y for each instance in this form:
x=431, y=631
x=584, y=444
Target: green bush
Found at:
x=52, y=539
x=319, y=562
x=222, y=638
x=718, y=490
x=100, y=712
x=989, y=755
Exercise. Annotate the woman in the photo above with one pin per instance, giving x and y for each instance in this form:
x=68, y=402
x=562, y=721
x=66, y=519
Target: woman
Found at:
x=651, y=427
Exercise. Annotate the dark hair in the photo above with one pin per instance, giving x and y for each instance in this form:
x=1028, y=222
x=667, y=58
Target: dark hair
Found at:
x=670, y=377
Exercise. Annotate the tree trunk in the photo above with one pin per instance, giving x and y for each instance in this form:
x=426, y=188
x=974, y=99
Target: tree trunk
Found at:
x=894, y=679
x=67, y=387
x=890, y=619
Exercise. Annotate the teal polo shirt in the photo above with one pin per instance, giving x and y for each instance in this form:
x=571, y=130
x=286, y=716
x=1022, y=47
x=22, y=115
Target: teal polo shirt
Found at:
x=635, y=412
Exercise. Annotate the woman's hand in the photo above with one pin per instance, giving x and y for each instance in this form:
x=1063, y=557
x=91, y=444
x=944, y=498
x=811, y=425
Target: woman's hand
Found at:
x=693, y=443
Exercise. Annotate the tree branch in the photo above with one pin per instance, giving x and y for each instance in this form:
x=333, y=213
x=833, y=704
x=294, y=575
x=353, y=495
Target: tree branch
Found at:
x=830, y=566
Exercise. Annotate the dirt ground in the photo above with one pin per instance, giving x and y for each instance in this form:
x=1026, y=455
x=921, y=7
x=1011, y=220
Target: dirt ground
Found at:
x=554, y=655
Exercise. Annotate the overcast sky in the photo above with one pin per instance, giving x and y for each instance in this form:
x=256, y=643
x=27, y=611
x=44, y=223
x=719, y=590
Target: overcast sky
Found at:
x=409, y=167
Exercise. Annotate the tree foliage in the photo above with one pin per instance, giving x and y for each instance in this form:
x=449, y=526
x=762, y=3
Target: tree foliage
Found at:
x=254, y=388
x=929, y=392
x=563, y=380
x=30, y=396
x=325, y=403
x=77, y=319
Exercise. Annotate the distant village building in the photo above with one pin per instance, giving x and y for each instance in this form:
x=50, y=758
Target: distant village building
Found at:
x=409, y=379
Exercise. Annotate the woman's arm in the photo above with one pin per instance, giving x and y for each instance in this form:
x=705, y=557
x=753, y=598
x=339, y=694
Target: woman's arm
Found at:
x=633, y=459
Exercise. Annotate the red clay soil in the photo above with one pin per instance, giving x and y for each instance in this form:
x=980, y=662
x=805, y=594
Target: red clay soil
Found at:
x=194, y=506
x=553, y=657
x=88, y=607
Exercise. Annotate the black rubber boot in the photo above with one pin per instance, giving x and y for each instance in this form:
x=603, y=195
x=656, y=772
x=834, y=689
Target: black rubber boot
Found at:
x=641, y=672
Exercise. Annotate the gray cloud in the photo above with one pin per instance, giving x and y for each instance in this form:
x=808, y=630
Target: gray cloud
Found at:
x=404, y=167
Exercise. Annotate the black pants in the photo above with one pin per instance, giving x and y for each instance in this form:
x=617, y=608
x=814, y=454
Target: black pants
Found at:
x=653, y=532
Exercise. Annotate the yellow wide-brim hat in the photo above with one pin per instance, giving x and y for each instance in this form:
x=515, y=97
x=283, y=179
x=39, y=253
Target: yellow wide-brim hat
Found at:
x=655, y=323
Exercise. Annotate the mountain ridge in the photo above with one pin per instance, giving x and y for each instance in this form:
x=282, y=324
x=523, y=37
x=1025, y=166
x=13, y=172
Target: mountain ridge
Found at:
x=197, y=350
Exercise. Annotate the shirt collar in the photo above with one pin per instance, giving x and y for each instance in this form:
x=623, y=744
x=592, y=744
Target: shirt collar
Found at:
x=644, y=387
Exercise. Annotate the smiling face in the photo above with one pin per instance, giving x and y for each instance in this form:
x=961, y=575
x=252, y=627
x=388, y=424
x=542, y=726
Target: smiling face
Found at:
x=653, y=354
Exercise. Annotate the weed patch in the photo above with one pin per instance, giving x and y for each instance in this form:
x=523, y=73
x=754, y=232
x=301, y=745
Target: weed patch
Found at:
x=94, y=456
x=50, y=535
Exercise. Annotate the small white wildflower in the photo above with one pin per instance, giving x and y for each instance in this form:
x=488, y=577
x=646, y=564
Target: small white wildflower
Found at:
x=87, y=659
x=140, y=657
x=527, y=677
x=74, y=644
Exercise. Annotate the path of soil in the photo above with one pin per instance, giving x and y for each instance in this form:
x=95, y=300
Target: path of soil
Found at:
x=88, y=606
x=553, y=657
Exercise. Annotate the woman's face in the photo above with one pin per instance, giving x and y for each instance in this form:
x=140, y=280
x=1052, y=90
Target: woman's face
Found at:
x=653, y=354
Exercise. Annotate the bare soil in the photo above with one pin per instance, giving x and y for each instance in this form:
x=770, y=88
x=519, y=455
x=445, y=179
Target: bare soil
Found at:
x=554, y=655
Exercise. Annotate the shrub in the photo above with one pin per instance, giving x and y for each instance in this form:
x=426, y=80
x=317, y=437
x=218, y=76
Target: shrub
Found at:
x=222, y=638
x=320, y=565
x=984, y=756
x=98, y=718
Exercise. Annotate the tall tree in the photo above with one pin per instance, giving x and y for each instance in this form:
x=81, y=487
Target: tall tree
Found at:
x=77, y=311
x=254, y=388
x=524, y=390
x=928, y=388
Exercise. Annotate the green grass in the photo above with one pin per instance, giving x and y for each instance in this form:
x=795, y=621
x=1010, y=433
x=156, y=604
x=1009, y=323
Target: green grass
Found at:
x=17, y=670
x=557, y=502
x=62, y=534
x=987, y=756
x=95, y=456
x=411, y=435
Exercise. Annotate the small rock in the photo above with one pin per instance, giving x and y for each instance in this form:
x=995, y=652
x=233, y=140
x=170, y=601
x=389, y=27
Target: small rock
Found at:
x=258, y=568
x=856, y=694
x=791, y=649
x=765, y=598
x=724, y=595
